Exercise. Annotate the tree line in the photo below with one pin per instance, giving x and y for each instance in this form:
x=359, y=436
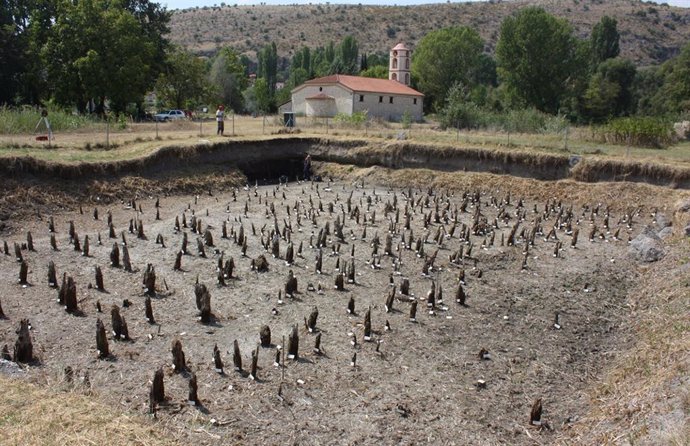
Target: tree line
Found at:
x=540, y=64
x=90, y=54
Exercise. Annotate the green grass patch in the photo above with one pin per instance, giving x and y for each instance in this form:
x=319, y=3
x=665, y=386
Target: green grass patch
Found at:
x=24, y=120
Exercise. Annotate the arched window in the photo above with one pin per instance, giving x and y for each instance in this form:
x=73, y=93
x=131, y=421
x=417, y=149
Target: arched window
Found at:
x=394, y=76
x=407, y=78
x=407, y=64
x=395, y=63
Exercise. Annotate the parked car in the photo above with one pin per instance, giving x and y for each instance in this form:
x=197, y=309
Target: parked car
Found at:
x=170, y=115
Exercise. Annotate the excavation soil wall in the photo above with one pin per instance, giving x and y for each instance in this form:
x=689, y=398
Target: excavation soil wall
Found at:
x=281, y=156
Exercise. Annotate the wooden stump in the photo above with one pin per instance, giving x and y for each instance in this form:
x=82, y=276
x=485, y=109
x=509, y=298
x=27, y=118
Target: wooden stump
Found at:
x=23, y=347
x=413, y=311
x=205, y=314
x=255, y=360
x=149, y=310
x=125, y=259
x=340, y=282
x=18, y=253
x=217, y=361
x=183, y=249
x=53, y=242
x=236, y=356
x=193, y=398
x=260, y=264
x=179, y=363
x=311, y=322
x=77, y=245
x=29, y=241
x=208, y=238
x=85, y=250
x=157, y=394
x=535, y=413
x=120, y=331
x=23, y=273
x=200, y=248
x=115, y=256
x=389, y=300
x=178, y=262
x=460, y=295
x=229, y=268
x=62, y=290
x=293, y=343
x=367, y=325
x=199, y=291
x=101, y=340
x=149, y=281
x=71, y=305
x=265, y=336
x=291, y=285
x=99, y=279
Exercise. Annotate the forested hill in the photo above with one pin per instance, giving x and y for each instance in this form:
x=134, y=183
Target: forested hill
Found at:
x=650, y=33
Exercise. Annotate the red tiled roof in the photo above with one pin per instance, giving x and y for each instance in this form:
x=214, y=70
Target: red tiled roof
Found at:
x=400, y=46
x=365, y=84
x=320, y=96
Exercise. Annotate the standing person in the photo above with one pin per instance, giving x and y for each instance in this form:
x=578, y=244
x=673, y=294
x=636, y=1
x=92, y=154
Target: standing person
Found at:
x=220, y=118
x=307, y=167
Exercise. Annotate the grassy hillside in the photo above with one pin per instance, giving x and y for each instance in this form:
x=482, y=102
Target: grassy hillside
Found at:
x=650, y=33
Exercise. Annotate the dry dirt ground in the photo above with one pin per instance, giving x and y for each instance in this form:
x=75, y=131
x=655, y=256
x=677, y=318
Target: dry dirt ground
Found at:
x=420, y=387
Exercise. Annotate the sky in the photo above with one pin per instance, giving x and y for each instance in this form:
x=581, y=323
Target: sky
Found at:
x=182, y=4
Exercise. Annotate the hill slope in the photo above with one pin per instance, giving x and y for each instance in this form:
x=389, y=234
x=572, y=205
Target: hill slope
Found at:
x=650, y=33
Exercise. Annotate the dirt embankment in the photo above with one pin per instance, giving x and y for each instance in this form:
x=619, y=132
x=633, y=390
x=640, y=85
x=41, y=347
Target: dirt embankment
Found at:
x=33, y=185
x=254, y=157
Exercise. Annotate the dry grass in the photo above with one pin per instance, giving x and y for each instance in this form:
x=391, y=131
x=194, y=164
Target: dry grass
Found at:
x=139, y=140
x=645, y=398
x=33, y=415
x=648, y=35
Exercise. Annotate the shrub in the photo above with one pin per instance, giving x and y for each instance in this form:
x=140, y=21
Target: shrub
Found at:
x=637, y=131
x=355, y=119
x=24, y=120
x=406, y=120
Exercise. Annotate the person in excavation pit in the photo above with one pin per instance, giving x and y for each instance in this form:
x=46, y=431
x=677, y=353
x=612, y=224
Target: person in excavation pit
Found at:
x=307, y=167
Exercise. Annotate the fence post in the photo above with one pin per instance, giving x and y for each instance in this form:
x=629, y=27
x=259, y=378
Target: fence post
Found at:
x=107, y=133
x=201, y=133
x=567, y=128
x=263, y=125
x=156, y=128
x=233, y=123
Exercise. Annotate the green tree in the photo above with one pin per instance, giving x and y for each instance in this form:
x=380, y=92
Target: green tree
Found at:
x=346, y=59
x=11, y=54
x=268, y=66
x=97, y=50
x=263, y=95
x=605, y=40
x=298, y=76
x=536, y=57
x=377, y=71
x=227, y=77
x=184, y=80
x=673, y=96
x=600, y=96
x=445, y=57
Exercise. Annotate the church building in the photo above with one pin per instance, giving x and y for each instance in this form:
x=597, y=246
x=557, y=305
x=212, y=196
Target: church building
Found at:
x=388, y=98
